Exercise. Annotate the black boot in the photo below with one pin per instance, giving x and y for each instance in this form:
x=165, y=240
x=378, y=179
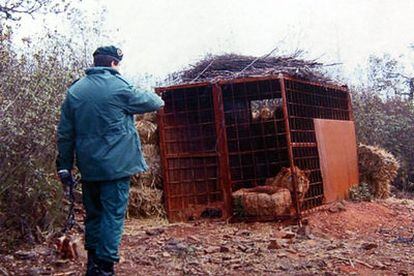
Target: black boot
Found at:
x=91, y=265
x=105, y=268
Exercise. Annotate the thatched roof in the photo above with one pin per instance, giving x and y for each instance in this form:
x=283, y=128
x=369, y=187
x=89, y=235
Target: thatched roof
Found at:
x=230, y=66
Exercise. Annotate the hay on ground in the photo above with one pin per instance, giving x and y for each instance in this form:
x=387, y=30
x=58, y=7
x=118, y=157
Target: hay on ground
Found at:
x=378, y=168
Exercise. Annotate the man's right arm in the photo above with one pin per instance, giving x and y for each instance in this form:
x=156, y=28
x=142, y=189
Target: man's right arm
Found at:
x=136, y=101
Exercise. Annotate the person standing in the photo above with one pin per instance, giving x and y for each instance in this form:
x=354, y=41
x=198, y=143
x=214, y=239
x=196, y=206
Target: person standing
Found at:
x=97, y=130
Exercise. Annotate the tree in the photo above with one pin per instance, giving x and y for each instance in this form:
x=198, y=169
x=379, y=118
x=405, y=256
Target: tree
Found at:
x=32, y=86
x=14, y=9
x=386, y=76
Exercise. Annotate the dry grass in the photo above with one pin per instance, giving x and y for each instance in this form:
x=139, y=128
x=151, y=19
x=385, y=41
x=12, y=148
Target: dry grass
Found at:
x=145, y=202
x=233, y=66
x=145, y=198
x=378, y=168
x=151, y=178
x=147, y=131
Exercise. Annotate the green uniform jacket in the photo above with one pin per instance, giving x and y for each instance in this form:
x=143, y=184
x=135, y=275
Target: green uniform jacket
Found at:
x=97, y=125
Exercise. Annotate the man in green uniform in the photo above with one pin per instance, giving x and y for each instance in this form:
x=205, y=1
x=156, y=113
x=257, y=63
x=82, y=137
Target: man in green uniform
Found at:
x=97, y=126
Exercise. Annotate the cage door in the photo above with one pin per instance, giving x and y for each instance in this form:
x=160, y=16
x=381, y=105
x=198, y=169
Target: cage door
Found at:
x=338, y=157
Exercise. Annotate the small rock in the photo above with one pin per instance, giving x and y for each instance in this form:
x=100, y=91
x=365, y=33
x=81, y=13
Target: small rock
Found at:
x=224, y=249
x=166, y=254
x=34, y=271
x=274, y=245
x=283, y=267
x=322, y=264
x=403, y=273
x=244, y=233
x=154, y=232
x=369, y=246
x=305, y=231
x=61, y=262
x=380, y=265
x=3, y=272
x=242, y=247
x=8, y=258
x=289, y=235
x=25, y=255
x=212, y=249
x=194, y=238
x=290, y=250
x=337, y=207
x=174, y=245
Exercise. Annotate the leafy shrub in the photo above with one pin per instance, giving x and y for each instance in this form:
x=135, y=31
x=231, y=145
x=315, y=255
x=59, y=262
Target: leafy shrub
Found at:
x=388, y=123
x=32, y=87
x=360, y=192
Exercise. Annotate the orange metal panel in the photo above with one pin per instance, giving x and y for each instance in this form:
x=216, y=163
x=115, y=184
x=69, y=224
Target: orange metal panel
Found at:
x=338, y=157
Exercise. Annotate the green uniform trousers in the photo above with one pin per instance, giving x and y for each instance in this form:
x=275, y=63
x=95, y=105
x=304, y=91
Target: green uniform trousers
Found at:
x=105, y=204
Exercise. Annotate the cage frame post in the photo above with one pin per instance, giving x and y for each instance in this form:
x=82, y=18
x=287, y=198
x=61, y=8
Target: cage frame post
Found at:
x=164, y=165
x=222, y=150
x=290, y=146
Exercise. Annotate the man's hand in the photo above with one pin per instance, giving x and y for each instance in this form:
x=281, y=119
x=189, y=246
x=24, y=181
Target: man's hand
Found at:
x=66, y=178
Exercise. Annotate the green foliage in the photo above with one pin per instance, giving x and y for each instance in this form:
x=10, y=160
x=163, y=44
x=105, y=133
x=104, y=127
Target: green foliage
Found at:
x=386, y=76
x=32, y=87
x=388, y=123
x=238, y=210
x=13, y=10
x=360, y=192
x=33, y=83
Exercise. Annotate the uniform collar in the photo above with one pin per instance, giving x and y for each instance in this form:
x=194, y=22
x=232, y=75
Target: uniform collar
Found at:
x=101, y=70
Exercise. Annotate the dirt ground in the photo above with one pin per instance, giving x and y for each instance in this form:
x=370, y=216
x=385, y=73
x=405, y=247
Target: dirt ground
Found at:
x=366, y=238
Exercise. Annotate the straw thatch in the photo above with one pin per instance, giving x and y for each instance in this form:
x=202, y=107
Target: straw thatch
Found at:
x=378, y=168
x=229, y=66
x=145, y=202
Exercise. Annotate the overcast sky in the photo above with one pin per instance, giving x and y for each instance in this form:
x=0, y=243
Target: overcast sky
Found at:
x=161, y=36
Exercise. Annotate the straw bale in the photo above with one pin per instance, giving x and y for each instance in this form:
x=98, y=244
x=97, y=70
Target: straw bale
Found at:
x=150, y=116
x=378, y=168
x=145, y=202
x=251, y=203
x=147, y=131
x=272, y=199
x=153, y=176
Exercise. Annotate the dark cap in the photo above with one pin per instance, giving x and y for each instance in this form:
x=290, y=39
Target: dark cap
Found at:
x=109, y=51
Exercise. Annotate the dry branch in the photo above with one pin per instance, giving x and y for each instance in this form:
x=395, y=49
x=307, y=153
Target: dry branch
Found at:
x=229, y=66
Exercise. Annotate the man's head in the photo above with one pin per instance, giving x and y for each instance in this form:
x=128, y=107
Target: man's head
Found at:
x=107, y=56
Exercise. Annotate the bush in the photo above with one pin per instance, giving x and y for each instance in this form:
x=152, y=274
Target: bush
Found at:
x=360, y=192
x=32, y=87
x=388, y=123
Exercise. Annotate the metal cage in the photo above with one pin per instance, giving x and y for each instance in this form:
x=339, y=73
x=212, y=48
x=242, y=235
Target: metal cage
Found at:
x=214, y=140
